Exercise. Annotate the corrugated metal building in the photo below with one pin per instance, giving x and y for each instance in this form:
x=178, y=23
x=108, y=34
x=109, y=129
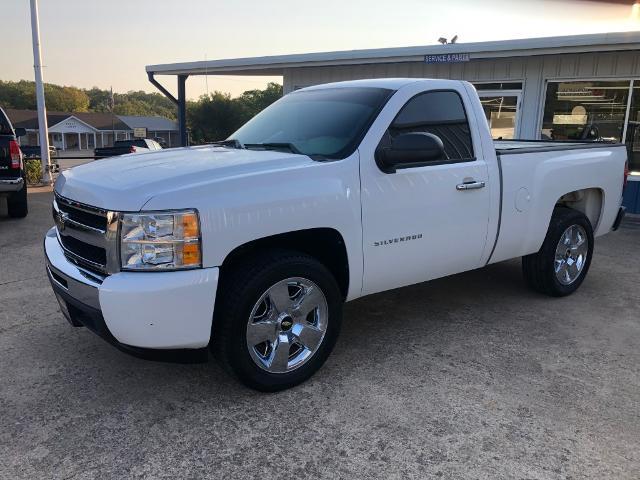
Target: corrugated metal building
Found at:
x=576, y=87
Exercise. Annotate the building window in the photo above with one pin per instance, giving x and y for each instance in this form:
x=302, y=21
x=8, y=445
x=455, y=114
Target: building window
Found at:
x=500, y=102
x=501, y=114
x=585, y=110
x=633, y=130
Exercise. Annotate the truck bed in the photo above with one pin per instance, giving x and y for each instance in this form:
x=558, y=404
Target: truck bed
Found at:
x=535, y=175
x=532, y=146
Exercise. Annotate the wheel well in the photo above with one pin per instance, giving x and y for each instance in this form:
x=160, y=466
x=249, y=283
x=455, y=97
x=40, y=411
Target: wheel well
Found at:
x=588, y=201
x=324, y=244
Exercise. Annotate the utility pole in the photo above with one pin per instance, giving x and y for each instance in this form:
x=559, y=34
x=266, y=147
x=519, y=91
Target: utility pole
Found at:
x=112, y=104
x=42, y=109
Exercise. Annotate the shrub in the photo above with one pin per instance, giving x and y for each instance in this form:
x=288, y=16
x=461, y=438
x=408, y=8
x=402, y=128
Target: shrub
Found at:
x=33, y=168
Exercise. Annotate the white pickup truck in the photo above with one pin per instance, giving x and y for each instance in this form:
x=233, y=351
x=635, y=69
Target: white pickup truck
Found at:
x=247, y=248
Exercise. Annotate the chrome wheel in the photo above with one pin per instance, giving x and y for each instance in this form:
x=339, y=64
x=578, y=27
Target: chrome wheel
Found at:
x=287, y=325
x=571, y=254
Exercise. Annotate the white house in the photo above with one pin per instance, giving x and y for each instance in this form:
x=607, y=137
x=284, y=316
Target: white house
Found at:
x=84, y=131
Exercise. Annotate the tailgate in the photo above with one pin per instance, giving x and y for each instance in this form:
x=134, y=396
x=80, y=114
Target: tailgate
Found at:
x=110, y=151
x=5, y=159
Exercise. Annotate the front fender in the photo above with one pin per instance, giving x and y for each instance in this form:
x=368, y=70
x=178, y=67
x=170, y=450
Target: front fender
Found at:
x=236, y=211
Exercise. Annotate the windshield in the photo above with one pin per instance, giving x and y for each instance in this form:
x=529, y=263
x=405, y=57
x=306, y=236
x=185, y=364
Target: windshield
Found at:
x=326, y=123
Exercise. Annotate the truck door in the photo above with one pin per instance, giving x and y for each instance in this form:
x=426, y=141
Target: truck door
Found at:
x=430, y=220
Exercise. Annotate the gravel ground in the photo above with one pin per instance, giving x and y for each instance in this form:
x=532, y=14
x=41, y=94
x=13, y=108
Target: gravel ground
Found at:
x=471, y=376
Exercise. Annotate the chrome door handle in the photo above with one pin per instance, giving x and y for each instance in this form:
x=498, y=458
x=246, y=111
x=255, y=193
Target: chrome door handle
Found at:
x=470, y=186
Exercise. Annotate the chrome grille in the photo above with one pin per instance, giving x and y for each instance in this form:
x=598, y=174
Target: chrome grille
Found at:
x=87, y=234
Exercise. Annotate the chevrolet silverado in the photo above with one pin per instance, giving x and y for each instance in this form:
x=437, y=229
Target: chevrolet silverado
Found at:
x=248, y=248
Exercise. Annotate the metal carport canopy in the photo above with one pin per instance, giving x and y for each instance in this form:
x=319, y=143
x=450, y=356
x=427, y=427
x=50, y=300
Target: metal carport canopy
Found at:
x=276, y=65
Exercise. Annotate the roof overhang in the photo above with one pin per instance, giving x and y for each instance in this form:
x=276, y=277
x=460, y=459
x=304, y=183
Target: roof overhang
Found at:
x=276, y=64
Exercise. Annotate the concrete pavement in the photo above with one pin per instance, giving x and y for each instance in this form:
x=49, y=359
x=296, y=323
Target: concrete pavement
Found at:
x=471, y=376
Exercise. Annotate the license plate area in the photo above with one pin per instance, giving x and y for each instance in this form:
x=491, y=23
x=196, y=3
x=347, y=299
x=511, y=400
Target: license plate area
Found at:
x=64, y=309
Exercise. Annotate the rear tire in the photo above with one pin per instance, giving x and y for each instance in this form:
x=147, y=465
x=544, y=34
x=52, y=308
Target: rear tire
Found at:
x=269, y=294
x=17, y=203
x=562, y=263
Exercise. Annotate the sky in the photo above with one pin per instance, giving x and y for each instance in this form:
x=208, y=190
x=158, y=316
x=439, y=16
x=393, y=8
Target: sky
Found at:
x=108, y=43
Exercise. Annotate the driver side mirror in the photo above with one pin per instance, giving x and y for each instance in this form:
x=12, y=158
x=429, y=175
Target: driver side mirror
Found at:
x=407, y=150
x=20, y=132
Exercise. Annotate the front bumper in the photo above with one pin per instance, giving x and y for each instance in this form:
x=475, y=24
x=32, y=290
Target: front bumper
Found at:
x=155, y=315
x=11, y=184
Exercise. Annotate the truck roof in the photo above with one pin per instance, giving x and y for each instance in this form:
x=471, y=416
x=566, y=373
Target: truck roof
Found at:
x=389, y=83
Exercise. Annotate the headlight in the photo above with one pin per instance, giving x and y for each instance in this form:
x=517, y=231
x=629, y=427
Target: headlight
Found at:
x=160, y=241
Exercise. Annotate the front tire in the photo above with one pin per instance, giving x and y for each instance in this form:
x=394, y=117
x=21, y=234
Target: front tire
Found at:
x=562, y=263
x=17, y=203
x=277, y=318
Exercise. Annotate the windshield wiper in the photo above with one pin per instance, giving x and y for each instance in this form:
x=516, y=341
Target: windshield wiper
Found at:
x=232, y=142
x=274, y=146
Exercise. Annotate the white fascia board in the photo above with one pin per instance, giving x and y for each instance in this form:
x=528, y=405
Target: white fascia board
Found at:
x=90, y=127
x=274, y=65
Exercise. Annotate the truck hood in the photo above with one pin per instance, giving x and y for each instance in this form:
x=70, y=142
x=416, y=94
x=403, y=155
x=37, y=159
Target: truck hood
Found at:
x=127, y=182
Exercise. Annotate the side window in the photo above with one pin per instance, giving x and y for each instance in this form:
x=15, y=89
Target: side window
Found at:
x=5, y=125
x=440, y=113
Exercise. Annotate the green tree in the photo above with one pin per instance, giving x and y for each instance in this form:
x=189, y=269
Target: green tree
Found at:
x=214, y=117
x=21, y=95
x=217, y=116
x=254, y=101
x=65, y=99
x=155, y=102
x=98, y=100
